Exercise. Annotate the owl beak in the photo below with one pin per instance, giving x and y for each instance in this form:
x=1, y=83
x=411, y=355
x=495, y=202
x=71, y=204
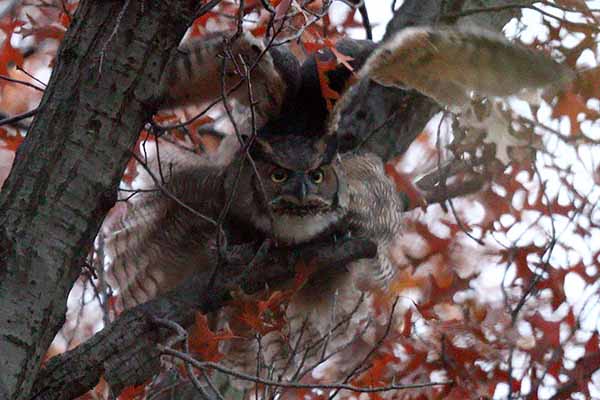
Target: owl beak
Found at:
x=298, y=193
x=302, y=191
x=298, y=198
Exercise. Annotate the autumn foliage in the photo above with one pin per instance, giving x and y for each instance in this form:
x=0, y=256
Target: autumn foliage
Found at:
x=496, y=294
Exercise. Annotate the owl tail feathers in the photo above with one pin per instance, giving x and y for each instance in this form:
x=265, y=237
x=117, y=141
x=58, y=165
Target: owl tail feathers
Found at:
x=448, y=64
x=313, y=330
x=253, y=356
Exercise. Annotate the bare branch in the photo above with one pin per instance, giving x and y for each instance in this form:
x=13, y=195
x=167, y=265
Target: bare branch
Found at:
x=294, y=385
x=17, y=118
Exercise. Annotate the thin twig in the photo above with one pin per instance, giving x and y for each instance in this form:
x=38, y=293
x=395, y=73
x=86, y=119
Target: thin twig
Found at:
x=182, y=336
x=362, y=9
x=504, y=7
x=294, y=385
x=17, y=118
x=375, y=347
x=19, y=68
x=20, y=82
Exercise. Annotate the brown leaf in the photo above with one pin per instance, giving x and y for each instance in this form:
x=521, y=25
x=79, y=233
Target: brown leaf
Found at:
x=133, y=392
x=204, y=342
x=9, y=55
x=550, y=330
x=587, y=83
x=10, y=142
x=570, y=105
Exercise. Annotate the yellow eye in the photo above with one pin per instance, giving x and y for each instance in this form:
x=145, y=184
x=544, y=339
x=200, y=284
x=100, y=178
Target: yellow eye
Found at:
x=279, y=175
x=317, y=176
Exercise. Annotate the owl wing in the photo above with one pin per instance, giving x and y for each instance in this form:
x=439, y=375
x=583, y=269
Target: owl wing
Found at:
x=203, y=69
x=375, y=211
x=446, y=64
x=130, y=260
x=158, y=242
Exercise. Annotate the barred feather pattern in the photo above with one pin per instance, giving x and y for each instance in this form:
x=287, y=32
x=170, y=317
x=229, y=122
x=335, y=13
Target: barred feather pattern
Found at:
x=157, y=243
x=130, y=270
x=374, y=211
x=448, y=63
x=154, y=249
x=193, y=74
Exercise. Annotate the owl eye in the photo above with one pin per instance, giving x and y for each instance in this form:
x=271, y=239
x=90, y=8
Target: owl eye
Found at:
x=279, y=175
x=317, y=176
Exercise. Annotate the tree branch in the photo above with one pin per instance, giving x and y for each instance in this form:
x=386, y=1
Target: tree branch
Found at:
x=126, y=353
x=295, y=385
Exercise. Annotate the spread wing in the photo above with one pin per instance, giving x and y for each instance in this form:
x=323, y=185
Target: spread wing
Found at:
x=446, y=64
x=207, y=68
x=158, y=242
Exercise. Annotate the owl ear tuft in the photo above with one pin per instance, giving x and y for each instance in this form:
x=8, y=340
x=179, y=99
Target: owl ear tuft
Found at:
x=263, y=148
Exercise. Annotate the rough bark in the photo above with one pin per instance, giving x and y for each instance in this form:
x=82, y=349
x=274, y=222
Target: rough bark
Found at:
x=67, y=171
x=65, y=174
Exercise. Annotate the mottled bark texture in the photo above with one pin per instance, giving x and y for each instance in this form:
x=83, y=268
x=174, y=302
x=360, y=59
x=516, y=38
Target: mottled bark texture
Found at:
x=65, y=175
x=67, y=171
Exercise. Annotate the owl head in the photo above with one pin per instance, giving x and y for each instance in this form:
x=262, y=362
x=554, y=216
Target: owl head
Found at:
x=294, y=191
x=298, y=193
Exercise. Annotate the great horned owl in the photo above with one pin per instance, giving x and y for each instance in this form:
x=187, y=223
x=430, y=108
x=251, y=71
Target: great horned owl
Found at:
x=294, y=190
x=294, y=187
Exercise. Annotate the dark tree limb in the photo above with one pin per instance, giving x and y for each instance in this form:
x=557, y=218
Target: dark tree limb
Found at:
x=383, y=120
x=125, y=353
x=66, y=172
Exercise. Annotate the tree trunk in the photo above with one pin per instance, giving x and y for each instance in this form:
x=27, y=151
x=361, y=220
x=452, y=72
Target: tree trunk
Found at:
x=65, y=175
